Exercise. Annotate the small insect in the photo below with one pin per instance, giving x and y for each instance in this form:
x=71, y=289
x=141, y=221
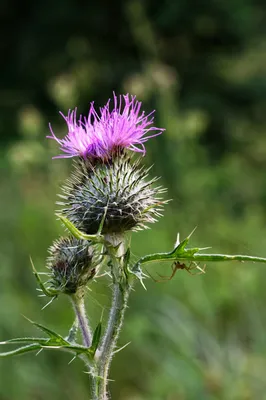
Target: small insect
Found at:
x=178, y=265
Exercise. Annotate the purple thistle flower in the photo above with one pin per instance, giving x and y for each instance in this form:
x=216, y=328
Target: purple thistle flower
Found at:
x=99, y=135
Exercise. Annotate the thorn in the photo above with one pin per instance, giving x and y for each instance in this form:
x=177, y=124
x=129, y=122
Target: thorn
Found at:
x=72, y=359
x=121, y=348
x=27, y=319
x=177, y=243
x=33, y=267
x=189, y=236
x=142, y=283
x=49, y=302
x=145, y=275
x=38, y=352
x=43, y=273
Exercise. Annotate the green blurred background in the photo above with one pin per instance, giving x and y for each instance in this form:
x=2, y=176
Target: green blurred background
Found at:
x=201, y=65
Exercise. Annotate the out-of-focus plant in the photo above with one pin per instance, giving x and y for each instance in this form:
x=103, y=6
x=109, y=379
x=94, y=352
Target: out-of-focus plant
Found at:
x=107, y=197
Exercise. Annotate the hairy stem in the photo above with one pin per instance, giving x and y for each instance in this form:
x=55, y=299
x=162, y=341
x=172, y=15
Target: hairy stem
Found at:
x=121, y=289
x=78, y=305
x=73, y=331
x=116, y=317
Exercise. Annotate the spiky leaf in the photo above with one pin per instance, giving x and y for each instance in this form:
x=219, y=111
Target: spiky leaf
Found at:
x=96, y=338
x=181, y=253
x=21, y=350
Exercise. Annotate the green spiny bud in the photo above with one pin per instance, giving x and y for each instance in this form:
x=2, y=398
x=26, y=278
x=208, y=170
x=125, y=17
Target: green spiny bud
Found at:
x=116, y=185
x=72, y=263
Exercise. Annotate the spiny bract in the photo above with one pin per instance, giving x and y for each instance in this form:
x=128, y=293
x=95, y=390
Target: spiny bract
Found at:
x=118, y=186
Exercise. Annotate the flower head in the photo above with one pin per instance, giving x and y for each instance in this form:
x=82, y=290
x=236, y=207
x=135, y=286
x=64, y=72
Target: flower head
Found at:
x=121, y=191
x=99, y=135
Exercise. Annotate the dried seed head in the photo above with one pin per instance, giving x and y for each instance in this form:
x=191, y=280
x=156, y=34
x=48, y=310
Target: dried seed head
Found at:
x=118, y=185
x=72, y=263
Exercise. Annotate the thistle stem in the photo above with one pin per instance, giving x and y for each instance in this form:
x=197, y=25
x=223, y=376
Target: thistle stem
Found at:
x=78, y=305
x=116, y=317
x=73, y=330
x=121, y=289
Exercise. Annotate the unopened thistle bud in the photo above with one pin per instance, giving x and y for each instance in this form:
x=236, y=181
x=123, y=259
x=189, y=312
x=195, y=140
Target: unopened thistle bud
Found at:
x=72, y=263
x=105, y=181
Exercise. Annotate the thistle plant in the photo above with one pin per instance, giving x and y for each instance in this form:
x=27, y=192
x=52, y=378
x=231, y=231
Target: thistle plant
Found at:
x=108, y=196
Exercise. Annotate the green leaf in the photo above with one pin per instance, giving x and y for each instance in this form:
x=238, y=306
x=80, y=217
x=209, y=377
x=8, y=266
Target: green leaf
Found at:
x=48, y=344
x=182, y=254
x=52, y=334
x=47, y=292
x=36, y=346
x=96, y=338
x=53, y=342
x=103, y=218
x=98, y=238
x=41, y=341
x=71, y=347
x=21, y=350
x=127, y=257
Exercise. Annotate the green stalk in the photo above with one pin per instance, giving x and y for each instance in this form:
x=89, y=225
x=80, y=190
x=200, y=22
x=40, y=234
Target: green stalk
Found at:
x=78, y=305
x=73, y=331
x=121, y=289
x=198, y=257
x=115, y=322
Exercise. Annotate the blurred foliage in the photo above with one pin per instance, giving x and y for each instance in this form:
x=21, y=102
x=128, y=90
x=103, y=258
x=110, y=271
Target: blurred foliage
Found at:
x=201, y=65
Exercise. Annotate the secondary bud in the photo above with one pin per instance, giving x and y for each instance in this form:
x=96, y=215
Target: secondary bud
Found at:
x=117, y=186
x=72, y=263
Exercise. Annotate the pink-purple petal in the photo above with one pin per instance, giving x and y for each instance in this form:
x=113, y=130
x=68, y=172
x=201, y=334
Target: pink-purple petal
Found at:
x=99, y=134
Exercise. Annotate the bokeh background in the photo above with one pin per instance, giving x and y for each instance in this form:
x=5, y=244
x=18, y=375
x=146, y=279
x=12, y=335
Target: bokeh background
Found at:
x=201, y=65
